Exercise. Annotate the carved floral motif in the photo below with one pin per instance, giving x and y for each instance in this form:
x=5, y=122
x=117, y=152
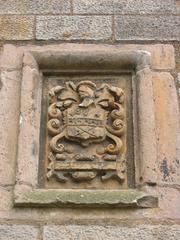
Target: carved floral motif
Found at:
x=86, y=125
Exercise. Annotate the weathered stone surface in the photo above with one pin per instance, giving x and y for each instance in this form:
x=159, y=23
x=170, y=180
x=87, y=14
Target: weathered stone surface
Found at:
x=34, y=6
x=11, y=59
x=73, y=27
x=167, y=127
x=150, y=232
x=177, y=6
x=16, y=27
x=147, y=27
x=123, y=6
x=162, y=55
x=28, y=143
x=6, y=198
x=146, y=155
x=86, y=198
x=169, y=199
x=10, y=78
x=169, y=208
x=9, y=124
x=179, y=84
x=86, y=122
x=18, y=232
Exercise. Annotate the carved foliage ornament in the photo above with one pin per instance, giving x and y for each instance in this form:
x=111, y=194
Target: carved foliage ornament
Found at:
x=86, y=127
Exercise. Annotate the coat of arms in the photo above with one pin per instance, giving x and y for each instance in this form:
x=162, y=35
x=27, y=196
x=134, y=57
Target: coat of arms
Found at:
x=86, y=126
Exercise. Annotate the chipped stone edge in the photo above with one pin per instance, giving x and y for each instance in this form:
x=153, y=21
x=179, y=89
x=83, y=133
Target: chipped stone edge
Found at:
x=86, y=198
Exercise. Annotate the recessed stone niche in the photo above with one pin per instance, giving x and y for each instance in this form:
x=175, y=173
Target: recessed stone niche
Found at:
x=82, y=123
x=86, y=138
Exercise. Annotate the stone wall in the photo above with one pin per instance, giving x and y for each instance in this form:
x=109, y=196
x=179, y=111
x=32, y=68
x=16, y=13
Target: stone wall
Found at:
x=153, y=26
x=107, y=21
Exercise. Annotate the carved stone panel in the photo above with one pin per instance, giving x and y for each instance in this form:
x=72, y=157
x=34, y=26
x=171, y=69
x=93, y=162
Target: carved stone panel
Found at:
x=86, y=117
x=86, y=132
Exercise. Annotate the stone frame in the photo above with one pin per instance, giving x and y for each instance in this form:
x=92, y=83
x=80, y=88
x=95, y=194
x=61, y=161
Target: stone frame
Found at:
x=34, y=60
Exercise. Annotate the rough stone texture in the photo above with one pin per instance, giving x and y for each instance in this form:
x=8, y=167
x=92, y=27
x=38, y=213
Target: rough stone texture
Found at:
x=147, y=27
x=28, y=150
x=34, y=6
x=162, y=22
x=6, y=198
x=177, y=6
x=169, y=202
x=123, y=6
x=152, y=20
x=10, y=85
x=8, y=121
x=73, y=27
x=11, y=58
x=143, y=232
x=18, y=232
x=167, y=128
x=135, y=20
x=179, y=84
x=169, y=209
x=89, y=198
x=16, y=27
x=146, y=152
x=162, y=55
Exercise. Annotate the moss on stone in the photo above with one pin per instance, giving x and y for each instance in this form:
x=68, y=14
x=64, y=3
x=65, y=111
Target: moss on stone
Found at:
x=87, y=198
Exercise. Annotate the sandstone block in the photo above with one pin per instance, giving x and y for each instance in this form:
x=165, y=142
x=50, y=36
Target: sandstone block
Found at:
x=73, y=27
x=147, y=152
x=18, y=232
x=34, y=6
x=9, y=115
x=10, y=77
x=123, y=6
x=6, y=198
x=11, y=59
x=28, y=142
x=167, y=127
x=148, y=232
x=147, y=27
x=16, y=27
x=169, y=202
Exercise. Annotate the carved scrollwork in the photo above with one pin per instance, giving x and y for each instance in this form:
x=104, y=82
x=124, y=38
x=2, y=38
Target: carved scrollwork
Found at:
x=80, y=117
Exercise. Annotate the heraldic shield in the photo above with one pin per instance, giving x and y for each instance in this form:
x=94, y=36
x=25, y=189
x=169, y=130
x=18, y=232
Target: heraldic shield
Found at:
x=86, y=127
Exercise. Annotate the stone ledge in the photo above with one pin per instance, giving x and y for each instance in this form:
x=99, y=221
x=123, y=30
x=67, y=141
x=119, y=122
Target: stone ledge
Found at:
x=87, y=198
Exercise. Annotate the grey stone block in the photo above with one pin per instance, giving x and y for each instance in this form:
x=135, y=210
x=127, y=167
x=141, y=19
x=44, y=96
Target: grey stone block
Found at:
x=123, y=6
x=74, y=27
x=34, y=6
x=16, y=27
x=18, y=232
x=147, y=27
x=143, y=232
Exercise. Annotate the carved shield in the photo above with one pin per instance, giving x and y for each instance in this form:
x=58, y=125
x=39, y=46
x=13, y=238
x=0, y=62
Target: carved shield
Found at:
x=85, y=125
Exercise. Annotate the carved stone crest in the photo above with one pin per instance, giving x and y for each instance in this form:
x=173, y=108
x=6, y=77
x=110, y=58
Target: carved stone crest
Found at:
x=86, y=127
